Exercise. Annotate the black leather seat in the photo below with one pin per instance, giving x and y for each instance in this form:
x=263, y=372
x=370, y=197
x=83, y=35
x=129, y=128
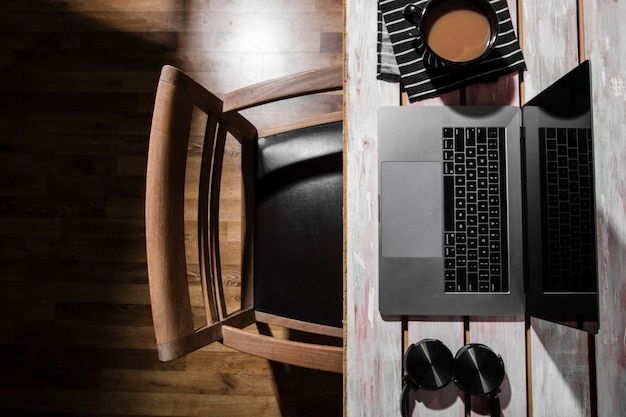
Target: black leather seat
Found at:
x=298, y=225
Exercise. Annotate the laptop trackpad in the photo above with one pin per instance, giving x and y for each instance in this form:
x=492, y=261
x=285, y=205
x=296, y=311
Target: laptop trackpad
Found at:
x=411, y=209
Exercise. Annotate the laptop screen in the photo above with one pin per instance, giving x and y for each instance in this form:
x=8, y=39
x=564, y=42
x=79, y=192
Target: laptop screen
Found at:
x=561, y=251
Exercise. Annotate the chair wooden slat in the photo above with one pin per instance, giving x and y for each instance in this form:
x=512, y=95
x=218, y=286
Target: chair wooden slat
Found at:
x=210, y=295
x=304, y=83
x=214, y=210
x=321, y=357
x=301, y=123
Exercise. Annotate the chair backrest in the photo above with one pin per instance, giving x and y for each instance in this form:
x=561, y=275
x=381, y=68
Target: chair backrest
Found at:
x=179, y=98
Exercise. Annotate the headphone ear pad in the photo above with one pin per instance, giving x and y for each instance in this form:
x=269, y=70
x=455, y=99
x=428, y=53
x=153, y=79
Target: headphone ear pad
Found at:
x=429, y=364
x=478, y=370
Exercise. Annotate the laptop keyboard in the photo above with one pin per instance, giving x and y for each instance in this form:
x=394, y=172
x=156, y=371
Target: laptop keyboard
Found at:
x=475, y=244
x=568, y=210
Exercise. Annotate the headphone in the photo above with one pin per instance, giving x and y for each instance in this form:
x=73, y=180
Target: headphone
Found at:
x=476, y=370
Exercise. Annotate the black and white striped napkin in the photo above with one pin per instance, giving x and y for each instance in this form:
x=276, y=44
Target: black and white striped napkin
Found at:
x=399, y=59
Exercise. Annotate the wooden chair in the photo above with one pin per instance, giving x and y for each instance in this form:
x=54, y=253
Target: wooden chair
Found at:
x=179, y=100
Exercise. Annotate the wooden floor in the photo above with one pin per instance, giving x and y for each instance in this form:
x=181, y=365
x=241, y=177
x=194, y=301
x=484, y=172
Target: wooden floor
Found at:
x=76, y=92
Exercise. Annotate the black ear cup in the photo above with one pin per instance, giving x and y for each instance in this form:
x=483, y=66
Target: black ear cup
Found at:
x=479, y=371
x=476, y=369
x=429, y=365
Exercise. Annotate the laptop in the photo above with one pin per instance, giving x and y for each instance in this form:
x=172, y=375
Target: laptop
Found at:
x=490, y=211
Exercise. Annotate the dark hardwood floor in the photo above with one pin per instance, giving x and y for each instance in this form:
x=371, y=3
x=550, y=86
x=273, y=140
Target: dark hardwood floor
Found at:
x=77, y=86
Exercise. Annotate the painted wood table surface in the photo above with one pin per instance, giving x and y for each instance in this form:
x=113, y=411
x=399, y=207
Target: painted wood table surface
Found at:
x=551, y=370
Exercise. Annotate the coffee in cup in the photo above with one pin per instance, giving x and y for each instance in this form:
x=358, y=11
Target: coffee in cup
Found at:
x=455, y=33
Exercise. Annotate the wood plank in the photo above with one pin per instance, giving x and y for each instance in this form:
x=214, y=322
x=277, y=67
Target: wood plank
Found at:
x=62, y=41
x=247, y=24
x=93, y=21
x=103, y=314
x=125, y=403
x=547, y=61
x=559, y=370
x=73, y=379
x=90, y=5
x=124, y=207
x=23, y=184
x=604, y=45
x=88, y=143
x=140, y=6
x=19, y=312
x=13, y=227
x=505, y=335
x=78, y=123
x=373, y=343
x=449, y=330
x=76, y=249
x=231, y=382
x=15, y=163
x=52, y=206
x=94, y=90
x=44, y=334
x=71, y=271
x=21, y=358
x=487, y=331
x=95, y=185
x=75, y=292
x=107, y=229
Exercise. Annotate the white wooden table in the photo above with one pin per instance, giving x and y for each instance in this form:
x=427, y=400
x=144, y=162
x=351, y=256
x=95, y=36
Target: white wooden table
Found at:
x=551, y=370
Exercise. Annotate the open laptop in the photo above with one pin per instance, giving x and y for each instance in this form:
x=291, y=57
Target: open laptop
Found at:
x=490, y=211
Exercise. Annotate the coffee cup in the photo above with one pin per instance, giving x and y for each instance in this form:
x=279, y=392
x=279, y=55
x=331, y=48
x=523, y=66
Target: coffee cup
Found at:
x=454, y=34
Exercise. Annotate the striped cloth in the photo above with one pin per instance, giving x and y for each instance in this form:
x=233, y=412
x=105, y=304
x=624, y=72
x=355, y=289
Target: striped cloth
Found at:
x=399, y=59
